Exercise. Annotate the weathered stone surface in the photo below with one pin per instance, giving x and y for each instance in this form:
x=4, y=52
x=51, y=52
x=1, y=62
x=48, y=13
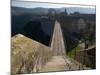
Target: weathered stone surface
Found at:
x=27, y=55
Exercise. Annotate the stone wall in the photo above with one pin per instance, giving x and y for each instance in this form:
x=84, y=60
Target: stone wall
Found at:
x=27, y=56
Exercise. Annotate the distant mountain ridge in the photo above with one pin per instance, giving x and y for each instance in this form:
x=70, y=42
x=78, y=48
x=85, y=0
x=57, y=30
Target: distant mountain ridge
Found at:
x=41, y=10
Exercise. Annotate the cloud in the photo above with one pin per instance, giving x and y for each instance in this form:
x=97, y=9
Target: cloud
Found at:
x=88, y=2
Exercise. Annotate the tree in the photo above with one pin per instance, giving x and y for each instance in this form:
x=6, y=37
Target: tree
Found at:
x=51, y=13
x=76, y=13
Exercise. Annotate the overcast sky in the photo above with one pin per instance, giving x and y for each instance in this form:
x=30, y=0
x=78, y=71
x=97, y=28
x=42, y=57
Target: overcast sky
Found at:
x=30, y=4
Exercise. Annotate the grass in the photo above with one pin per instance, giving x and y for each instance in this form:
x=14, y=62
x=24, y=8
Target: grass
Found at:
x=73, y=52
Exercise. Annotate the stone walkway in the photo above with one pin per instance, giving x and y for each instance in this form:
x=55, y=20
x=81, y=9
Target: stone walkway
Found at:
x=59, y=60
x=59, y=63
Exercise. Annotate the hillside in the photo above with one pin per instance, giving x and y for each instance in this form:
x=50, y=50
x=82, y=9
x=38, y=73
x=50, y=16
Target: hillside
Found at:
x=43, y=11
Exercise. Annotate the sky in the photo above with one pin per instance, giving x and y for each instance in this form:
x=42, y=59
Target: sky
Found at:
x=30, y=4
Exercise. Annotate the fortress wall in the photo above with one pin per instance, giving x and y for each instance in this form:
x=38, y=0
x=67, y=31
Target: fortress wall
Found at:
x=27, y=55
